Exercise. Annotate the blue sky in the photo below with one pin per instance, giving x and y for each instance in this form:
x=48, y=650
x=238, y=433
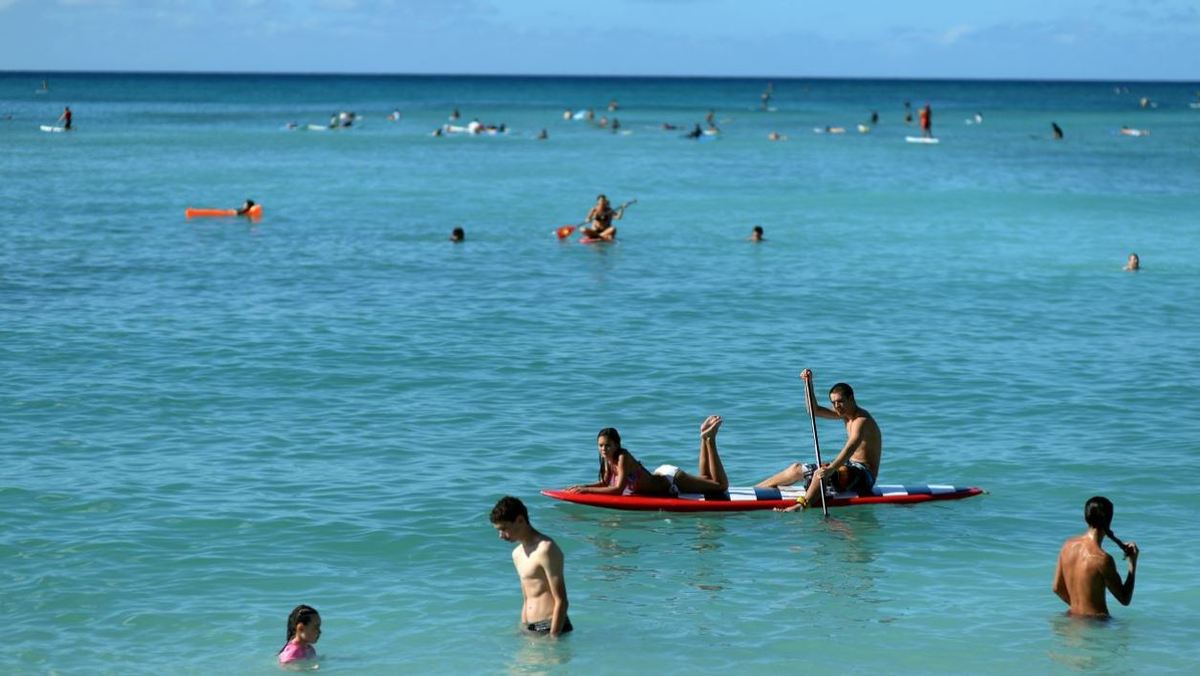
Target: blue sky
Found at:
x=1067, y=39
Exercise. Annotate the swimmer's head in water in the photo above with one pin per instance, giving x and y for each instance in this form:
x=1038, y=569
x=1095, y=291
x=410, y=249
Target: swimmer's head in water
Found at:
x=457, y=235
x=306, y=616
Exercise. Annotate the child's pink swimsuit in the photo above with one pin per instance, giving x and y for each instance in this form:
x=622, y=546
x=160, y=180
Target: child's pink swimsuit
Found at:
x=293, y=652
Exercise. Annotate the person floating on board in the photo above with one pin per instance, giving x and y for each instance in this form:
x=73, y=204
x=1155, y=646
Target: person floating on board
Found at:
x=1085, y=570
x=622, y=474
x=539, y=564
x=696, y=132
x=1133, y=264
x=1056, y=131
x=601, y=218
x=543, y=135
x=457, y=234
x=925, y=116
x=756, y=235
x=855, y=467
x=303, y=630
x=65, y=118
x=245, y=208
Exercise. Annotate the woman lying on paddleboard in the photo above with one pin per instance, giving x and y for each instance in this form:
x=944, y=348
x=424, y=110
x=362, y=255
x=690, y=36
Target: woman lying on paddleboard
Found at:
x=622, y=474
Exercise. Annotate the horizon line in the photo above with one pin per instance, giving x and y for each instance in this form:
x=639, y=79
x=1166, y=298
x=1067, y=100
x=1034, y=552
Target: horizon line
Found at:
x=898, y=78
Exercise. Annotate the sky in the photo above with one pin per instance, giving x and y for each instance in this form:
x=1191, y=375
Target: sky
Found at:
x=1019, y=39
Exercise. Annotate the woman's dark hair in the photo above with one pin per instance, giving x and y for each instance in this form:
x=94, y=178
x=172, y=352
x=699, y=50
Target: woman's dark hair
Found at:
x=301, y=614
x=613, y=435
x=1098, y=513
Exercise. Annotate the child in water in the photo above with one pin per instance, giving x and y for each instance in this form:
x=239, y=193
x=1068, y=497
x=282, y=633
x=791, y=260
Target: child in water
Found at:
x=303, y=631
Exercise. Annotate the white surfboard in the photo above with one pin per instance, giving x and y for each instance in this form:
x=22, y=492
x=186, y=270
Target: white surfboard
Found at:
x=48, y=128
x=921, y=139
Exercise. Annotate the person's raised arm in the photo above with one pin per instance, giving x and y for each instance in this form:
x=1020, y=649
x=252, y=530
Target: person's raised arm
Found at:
x=1121, y=591
x=556, y=580
x=817, y=409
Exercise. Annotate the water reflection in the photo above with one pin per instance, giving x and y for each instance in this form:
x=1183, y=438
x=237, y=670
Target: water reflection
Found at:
x=840, y=551
x=540, y=654
x=1088, y=644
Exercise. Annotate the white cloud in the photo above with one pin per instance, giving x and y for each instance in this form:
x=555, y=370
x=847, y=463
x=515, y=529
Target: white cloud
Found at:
x=955, y=34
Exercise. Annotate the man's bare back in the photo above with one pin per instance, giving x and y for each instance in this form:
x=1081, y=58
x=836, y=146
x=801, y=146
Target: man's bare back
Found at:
x=1085, y=571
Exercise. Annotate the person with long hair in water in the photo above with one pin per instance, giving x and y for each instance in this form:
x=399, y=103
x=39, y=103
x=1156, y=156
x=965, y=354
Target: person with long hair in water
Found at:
x=623, y=474
x=1085, y=570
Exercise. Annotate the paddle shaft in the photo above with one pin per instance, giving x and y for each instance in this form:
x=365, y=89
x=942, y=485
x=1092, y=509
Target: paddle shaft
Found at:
x=812, y=418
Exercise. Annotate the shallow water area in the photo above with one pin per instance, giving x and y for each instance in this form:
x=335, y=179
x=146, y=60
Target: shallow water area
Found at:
x=209, y=421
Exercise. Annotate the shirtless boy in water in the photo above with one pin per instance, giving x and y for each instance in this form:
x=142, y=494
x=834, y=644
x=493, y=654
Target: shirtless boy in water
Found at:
x=1085, y=570
x=539, y=564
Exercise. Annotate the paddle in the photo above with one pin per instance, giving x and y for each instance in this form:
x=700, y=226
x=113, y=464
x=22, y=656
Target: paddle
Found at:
x=566, y=230
x=811, y=399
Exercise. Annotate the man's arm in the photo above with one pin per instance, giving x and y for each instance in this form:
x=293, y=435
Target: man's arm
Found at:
x=1060, y=582
x=553, y=567
x=817, y=409
x=524, y=596
x=853, y=439
x=1121, y=591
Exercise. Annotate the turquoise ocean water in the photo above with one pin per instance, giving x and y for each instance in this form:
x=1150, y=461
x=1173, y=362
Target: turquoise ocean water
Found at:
x=204, y=423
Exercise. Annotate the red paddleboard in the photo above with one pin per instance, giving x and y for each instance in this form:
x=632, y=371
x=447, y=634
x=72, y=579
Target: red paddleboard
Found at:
x=741, y=499
x=596, y=240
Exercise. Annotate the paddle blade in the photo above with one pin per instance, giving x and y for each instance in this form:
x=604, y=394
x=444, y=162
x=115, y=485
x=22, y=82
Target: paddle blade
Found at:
x=565, y=231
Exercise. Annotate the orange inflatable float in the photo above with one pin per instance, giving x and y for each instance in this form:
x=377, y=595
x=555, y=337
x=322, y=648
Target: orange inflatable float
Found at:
x=254, y=212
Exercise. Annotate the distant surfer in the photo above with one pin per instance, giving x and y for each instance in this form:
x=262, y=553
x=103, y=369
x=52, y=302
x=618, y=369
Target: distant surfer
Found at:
x=1085, y=570
x=856, y=465
x=776, y=136
x=539, y=564
x=601, y=218
x=457, y=234
x=874, y=117
x=454, y=115
x=543, y=135
x=756, y=234
x=907, y=112
x=1133, y=264
x=925, y=117
x=1056, y=131
x=245, y=208
x=65, y=118
x=695, y=133
x=613, y=105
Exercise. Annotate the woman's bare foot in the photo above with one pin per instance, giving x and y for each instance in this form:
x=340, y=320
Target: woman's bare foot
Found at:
x=708, y=429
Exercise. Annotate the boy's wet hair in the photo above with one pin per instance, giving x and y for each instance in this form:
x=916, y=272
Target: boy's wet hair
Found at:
x=507, y=509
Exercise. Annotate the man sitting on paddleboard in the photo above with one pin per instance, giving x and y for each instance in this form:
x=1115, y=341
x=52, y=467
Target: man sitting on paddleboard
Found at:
x=855, y=467
x=601, y=218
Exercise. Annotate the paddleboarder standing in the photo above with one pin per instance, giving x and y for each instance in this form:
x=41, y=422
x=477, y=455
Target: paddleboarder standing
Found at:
x=855, y=467
x=65, y=118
